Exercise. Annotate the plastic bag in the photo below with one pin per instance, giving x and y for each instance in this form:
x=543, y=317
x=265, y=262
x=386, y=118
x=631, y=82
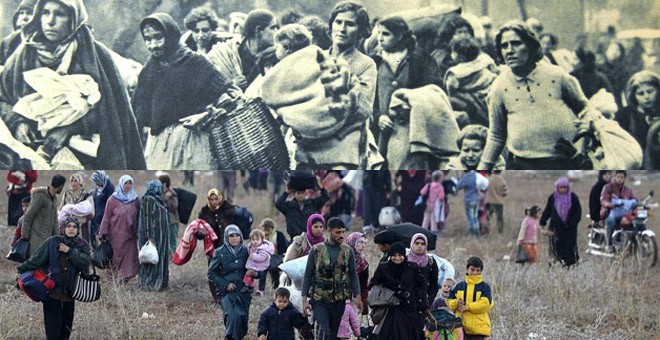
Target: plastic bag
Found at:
x=148, y=254
x=295, y=270
x=102, y=255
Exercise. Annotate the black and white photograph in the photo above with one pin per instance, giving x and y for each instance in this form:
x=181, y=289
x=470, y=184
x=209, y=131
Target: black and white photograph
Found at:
x=364, y=84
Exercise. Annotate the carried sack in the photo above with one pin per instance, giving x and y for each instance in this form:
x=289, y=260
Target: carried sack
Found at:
x=19, y=251
x=244, y=220
x=148, y=254
x=186, y=200
x=87, y=287
x=521, y=255
x=102, y=255
x=382, y=296
x=36, y=284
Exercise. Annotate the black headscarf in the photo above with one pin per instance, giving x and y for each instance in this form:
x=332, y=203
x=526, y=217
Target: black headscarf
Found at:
x=397, y=248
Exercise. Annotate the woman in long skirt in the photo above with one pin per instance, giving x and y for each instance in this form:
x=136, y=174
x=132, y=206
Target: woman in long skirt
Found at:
x=154, y=227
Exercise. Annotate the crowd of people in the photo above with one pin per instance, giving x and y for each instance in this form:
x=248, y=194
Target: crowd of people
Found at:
x=348, y=93
x=336, y=273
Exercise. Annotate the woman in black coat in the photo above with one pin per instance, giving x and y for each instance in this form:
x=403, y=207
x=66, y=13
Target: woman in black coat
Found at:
x=402, y=322
x=564, y=212
x=604, y=177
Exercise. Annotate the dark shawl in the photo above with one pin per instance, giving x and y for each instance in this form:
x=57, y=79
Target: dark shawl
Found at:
x=179, y=84
x=112, y=117
x=154, y=223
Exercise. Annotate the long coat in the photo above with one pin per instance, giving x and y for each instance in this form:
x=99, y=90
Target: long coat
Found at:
x=119, y=225
x=40, y=221
x=564, y=241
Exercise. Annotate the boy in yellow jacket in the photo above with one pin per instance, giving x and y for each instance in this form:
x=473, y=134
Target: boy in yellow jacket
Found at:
x=471, y=300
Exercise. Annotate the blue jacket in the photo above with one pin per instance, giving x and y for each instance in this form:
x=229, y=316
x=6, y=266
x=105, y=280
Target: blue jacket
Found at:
x=469, y=183
x=279, y=324
x=100, y=200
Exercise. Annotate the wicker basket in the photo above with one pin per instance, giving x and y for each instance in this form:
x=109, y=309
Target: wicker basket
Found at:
x=247, y=136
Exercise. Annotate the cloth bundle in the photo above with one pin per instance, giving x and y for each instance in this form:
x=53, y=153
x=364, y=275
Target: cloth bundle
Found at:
x=189, y=242
x=59, y=100
x=309, y=91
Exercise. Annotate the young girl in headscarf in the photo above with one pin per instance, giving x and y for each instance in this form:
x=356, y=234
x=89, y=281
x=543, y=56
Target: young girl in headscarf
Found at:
x=76, y=192
x=358, y=242
x=77, y=201
x=402, y=322
x=564, y=212
x=304, y=242
x=419, y=255
x=68, y=50
x=154, y=227
x=218, y=212
x=73, y=258
x=119, y=226
x=226, y=272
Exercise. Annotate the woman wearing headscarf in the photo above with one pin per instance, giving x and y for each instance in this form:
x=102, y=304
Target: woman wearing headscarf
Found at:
x=564, y=212
x=102, y=192
x=59, y=38
x=418, y=254
x=73, y=258
x=402, y=322
x=119, y=227
x=226, y=271
x=643, y=105
x=79, y=202
x=175, y=83
x=358, y=242
x=218, y=213
x=303, y=243
x=154, y=227
x=11, y=42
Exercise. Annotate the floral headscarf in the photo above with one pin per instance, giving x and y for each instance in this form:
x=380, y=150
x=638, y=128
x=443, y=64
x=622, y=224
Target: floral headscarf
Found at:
x=423, y=259
x=99, y=177
x=360, y=261
x=125, y=197
x=155, y=189
x=75, y=196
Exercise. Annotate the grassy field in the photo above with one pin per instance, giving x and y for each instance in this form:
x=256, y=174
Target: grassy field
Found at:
x=599, y=299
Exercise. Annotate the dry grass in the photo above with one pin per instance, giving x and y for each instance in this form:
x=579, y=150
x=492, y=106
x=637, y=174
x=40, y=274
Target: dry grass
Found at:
x=599, y=299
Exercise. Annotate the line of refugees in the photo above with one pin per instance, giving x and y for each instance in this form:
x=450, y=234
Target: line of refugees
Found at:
x=346, y=94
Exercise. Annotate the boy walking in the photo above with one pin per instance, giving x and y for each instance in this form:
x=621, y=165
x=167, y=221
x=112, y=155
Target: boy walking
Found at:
x=497, y=190
x=472, y=299
x=278, y=321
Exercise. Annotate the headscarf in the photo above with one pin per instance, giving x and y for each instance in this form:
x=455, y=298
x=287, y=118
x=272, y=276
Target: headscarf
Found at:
x=397, y=248
x=168, y=26
x=155, y=189
x=233, y=229
x=423, y=259
x=360, y=261
x=212, y=192
x=74, y=241
x=125, y=197
x=310, y=236
x=63, y=53
x=26, y=5
x=563, y=202
x=76, y=196
x=99, y=177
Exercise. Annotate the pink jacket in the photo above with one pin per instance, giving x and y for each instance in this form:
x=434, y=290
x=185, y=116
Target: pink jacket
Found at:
x=259, y=257
x=349, y=321
x=437, y=193
x=529, y=230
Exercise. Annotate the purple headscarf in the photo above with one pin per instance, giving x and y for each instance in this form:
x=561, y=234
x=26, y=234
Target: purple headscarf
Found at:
x=310, y=236
x=563, y=202
x=423, y=259
x=360, y=262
